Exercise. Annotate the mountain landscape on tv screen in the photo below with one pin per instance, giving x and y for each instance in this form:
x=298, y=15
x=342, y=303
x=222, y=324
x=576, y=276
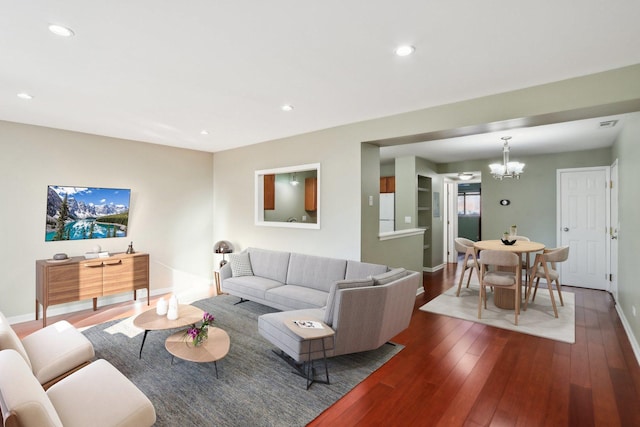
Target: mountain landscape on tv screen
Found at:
x=77, y=213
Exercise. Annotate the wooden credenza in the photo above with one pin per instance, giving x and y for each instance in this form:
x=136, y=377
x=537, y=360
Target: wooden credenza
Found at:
x=77, y=279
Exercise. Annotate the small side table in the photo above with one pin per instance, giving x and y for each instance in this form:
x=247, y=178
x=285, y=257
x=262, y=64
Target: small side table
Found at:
x=216, y=277
x=309, y=335
x=214, y=348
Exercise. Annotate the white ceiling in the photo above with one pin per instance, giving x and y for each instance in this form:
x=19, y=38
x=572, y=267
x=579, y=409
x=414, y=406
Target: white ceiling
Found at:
x=586, y=134
x=161, y=71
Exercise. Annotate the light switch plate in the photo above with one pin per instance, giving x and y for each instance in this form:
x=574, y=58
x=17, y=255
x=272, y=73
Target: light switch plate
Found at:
x=407, y=220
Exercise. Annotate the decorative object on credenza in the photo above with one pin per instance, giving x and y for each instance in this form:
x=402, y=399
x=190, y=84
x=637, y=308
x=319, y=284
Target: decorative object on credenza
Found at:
x=130, y=249
x=223, y=247
x=60, y=256
x=94, y=255
x=81, y=213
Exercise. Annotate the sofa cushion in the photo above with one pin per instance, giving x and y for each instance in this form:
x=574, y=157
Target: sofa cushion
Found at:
x=296, y=297
x=314, y=271
x=269, y=264
x=56, y=350
x=240, y=264
x=23, y=394
x=389, y=276
x=98, y=395
x=360, y=270
x=9, y=340
x=342, y=284
x=251, y=286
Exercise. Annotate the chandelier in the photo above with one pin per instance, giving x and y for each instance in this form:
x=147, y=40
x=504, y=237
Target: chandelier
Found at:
x=507, y=169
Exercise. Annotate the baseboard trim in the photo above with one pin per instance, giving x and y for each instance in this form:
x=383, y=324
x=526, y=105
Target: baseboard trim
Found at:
x=433, y=269
x=627, y=328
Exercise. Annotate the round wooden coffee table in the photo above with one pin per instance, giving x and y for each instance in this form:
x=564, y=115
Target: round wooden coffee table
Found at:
x=152, y=321
x=214, y=348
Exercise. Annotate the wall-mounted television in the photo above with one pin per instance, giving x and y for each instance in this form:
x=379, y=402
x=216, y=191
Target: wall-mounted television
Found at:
x=80, y=213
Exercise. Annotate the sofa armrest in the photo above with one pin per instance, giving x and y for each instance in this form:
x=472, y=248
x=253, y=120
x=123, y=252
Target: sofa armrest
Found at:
x=225, y=272
x=367, y=317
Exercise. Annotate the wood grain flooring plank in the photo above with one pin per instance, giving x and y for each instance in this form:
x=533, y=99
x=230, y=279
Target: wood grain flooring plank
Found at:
x=580, y=359
x=627, y=397
x=580, y=407
x=463, y=400
x=557, y=412
x=605, y=411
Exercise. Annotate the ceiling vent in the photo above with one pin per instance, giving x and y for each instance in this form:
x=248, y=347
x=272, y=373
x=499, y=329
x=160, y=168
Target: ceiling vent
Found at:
x=608, y=124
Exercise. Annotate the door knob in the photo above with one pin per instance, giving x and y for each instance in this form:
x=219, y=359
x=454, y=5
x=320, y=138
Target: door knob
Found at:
x=566, y=229
x=613, y=237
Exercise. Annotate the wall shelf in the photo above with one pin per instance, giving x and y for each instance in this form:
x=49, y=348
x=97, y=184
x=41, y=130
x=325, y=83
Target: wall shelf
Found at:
x=423, y=208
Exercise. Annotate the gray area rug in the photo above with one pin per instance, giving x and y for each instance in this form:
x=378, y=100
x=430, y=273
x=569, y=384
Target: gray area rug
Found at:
x=255, y=387
x=538, y=319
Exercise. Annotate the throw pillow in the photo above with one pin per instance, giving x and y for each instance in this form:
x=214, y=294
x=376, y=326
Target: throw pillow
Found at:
x=342, y=284
x=389, y=276
x=240, y=264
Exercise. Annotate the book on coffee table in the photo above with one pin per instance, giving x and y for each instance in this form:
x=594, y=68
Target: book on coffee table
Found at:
x=308, y=324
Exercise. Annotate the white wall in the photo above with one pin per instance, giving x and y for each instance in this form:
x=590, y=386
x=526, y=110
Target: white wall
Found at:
x=627, y=151
x=339, y=233
x=170, y=212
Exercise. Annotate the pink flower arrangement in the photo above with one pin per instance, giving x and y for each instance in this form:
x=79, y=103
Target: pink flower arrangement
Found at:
x=199, y=333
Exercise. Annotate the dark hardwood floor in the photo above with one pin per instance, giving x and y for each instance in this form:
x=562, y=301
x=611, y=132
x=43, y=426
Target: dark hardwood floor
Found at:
x=459, y=373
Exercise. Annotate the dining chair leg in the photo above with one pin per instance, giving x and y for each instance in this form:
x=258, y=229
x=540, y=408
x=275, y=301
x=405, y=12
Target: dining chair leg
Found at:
x=553, y=300
x=558, y=286
x=464, y=270
x=470, y=274
x=517, y=303
x=480, y=302
x=535, y=290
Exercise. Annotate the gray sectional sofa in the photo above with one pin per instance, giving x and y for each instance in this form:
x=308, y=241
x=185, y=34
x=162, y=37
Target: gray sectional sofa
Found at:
x=365, y=304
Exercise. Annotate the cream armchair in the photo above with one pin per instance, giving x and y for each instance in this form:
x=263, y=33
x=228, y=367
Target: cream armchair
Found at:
x=95, y=395
x=51, y=352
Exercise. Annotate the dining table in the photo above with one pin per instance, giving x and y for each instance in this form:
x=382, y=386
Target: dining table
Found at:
x=504, y=298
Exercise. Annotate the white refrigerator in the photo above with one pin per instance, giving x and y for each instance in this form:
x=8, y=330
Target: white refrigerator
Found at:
x=387, y=212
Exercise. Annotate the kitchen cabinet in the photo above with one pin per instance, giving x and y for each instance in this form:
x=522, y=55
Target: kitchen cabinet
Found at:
x=311, y=194
x=387, y=184
x=269, y=192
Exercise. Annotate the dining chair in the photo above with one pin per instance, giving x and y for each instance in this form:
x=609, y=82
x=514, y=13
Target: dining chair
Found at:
x=525, y=259
x=544, y=266
x=508, y=277
x=469, y=262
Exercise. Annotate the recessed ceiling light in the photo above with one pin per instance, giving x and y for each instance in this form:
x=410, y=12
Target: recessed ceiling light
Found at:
x=24, y=95
x=61, y=31
x=204, y=132
x=287, y=107
x=405, y=50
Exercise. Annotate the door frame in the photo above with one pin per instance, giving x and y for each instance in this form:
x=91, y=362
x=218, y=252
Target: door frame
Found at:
x=607, y=210
x=451, y=220
x=613, y=230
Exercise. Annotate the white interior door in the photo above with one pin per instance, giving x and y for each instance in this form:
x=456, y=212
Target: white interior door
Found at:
x=583, y=219
x=614, y=230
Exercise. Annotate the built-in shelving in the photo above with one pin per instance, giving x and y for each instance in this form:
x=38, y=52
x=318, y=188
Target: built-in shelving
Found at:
x=423, y=215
